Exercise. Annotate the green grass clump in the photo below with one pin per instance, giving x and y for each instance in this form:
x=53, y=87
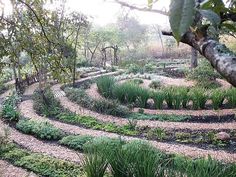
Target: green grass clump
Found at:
x=169, y=96
x=75, y=141
x=129, y=93
x=139, y=159
x=198, y=97
x=105, y=85
x=38, y=163
x=42, y=130
x=158, y=98
x=217, y=97
x=231, y=97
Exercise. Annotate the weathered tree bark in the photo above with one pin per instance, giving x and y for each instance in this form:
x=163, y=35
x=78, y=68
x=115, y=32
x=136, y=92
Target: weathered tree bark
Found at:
x=194, y=54
x=220, y=57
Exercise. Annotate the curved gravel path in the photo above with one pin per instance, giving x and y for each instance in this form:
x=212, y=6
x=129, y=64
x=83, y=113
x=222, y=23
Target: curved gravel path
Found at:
x=26, y=109
x=73, y=107
x=35, y=145
x=8, y=170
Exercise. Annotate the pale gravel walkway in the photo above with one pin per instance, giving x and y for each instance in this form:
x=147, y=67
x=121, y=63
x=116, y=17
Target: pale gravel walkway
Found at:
x=73, y=107
x=35, y=145
x=26, y=109
x=8, y=170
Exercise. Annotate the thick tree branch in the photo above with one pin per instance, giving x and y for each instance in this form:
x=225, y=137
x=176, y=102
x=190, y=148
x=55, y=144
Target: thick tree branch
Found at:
x=145, y=9
x=220, y=57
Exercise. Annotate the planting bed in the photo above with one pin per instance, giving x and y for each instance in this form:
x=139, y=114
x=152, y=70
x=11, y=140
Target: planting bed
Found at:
x=186, y=138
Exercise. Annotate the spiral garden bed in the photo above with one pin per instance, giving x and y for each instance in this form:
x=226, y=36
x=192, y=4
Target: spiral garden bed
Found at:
x=189, y=139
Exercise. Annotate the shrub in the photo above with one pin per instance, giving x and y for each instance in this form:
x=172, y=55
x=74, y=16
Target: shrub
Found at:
x=134, y=68
x=217, y=97
x=79, y=96
x=158, y=98
x=150, y=67
x=205, y=75
x=155, y=84
x=105, y=85
x=45, y=103
x=231, y=97
x=110, y=107
x=137, y=81
x=42, y=130
x=75, y=142
x=198, y=97
x=9, y=108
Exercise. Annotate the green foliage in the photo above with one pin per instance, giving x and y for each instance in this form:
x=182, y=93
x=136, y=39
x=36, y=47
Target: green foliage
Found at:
x=42, y=130
x=198, y=97
x=75, y=141
x=95, y=165
x=131, y=93
x=40, y=164
x=181, y=16
x=159, y=117
x=205, y=75
x=105, y=85
x=110, y=107
x=90, y=122
x=231, y=97
x=150, y=67
x=9, y=108
x=137, y=81
x=169, y=97
x=104, y=106
x=158, y=97
x=155, y=84
x=134, y=68
x=217, y=96
x=45, y=103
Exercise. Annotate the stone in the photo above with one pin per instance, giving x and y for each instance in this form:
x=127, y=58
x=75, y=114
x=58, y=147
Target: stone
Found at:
x=222, y=136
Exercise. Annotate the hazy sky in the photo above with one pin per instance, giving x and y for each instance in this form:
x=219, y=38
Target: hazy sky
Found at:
x=106, y=11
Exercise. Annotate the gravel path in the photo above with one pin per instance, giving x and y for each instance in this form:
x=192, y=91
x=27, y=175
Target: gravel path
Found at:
x=35, y=145
x=65, y=102
x=26, y=109
x=8, y=170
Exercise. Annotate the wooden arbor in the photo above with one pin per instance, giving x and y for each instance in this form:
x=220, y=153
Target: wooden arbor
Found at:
x=115, y=56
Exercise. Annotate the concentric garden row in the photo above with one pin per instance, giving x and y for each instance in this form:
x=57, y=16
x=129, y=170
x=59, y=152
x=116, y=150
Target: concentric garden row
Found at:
x=224, y=170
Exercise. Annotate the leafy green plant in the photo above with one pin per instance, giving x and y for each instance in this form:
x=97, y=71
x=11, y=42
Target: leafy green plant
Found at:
x=9, y=108
x=136, y=81
x=155, y=84
x=134, y=68
x=231, y=97
x=42, y=130
x=217, y=97
x=75, y=141
x=38, y=163
x=105, y=85
x=45, y=103
x=198, y=97
x=158, y=133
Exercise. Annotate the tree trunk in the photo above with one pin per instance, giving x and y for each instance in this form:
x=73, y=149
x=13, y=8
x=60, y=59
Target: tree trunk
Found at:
x=220, y=57
x=15, y=75
x=194, y=54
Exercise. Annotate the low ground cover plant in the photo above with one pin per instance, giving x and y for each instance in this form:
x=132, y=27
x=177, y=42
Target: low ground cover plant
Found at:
x=42, y=130
x=40, y=164
x=156, y=84
x=75, y=141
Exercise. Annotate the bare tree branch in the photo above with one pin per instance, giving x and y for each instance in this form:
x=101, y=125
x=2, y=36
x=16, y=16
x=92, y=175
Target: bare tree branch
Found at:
x=145, y=9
